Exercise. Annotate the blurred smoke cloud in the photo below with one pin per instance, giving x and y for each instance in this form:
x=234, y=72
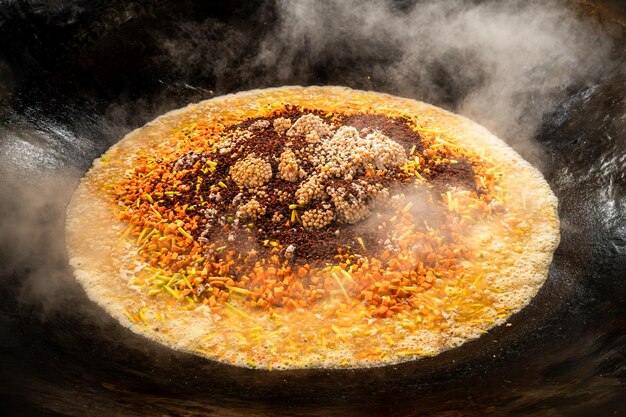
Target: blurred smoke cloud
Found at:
x=501, y=63
x=504, y=64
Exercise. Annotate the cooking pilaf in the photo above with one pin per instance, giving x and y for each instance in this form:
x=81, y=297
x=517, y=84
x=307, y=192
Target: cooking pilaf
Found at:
x=359, y=226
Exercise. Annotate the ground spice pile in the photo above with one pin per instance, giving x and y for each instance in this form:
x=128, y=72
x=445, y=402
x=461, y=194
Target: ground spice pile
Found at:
x=285, y=210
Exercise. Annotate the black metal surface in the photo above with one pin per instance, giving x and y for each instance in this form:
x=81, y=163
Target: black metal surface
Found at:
x=75, y=77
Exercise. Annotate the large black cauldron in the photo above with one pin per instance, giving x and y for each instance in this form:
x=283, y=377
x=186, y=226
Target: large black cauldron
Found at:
x=76, y=76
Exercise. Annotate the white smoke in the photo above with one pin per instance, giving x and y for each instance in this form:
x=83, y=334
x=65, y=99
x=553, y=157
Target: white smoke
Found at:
x=504, y=64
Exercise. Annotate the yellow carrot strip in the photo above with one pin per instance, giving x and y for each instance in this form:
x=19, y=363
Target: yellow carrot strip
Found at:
x=173, y=292
x=142, y=314
x=433, y=131
x=238, y=290
x=188, y=283
x=346, y=274
x=343, y=289
x=128, y=230
x=140, y=237
x=405, y=234
x=155, y=211
x=478, y=278
x=153, y=232
x=236, y=310
x=184, y=233
x=338, y=331
x=129, y=316
x=172, y=279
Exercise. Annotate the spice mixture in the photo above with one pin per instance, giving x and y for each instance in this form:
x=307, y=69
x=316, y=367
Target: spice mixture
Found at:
x=282, y=211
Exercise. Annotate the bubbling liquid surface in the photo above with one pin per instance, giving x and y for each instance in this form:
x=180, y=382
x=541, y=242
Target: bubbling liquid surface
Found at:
x=312, y=227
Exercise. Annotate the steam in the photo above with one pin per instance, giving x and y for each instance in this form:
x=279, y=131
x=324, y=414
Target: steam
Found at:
x=32, y=216
x=504, y=64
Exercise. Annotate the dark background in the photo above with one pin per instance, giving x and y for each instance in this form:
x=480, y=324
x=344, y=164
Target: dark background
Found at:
x=76, y=76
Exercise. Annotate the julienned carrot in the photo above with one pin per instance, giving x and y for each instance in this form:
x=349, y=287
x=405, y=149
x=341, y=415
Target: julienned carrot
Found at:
x=168, y=201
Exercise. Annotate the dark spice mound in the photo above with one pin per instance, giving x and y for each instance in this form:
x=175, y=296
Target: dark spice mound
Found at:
x=396, y=128
x=459, y=174
x=257, y=191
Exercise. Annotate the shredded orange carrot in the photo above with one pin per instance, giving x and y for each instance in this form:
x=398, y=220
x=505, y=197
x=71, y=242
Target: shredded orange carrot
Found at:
x=167, y=230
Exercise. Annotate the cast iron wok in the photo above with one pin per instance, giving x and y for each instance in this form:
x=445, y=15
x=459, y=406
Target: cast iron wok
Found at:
x=76, y=77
